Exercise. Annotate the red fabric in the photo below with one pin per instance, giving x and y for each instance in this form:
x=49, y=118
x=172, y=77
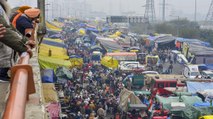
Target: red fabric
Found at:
x=159, y=117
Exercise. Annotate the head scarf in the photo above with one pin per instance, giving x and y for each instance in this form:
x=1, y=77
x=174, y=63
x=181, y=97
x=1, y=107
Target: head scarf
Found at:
x=32, y=13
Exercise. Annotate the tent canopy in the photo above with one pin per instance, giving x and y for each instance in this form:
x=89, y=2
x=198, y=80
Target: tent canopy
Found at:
x=188, y=100
x=109, y=44
x=127, y=98
x=194, y=87
x=109, y=62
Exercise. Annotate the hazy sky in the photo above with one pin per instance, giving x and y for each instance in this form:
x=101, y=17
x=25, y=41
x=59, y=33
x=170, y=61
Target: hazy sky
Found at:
x=181, y=8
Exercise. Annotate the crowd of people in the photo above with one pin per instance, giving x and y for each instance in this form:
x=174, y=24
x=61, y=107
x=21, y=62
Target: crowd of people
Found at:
x=93, y=92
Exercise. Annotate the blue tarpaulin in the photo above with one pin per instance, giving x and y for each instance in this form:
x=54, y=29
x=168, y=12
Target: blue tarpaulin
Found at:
x=54, y=43
x=194, y=87
x=48, y=76
x=194, y=41
x=209, y=66
x=93, y=30
x=204, y=104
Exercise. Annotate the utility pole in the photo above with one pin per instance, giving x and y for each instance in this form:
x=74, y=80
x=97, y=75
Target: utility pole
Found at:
x=195, y=11
x=42, y=27
x=164, y=7
x=150, y=11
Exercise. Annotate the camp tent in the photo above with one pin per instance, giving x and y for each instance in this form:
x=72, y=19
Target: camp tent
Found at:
x=109, y=44
x=52, y=43
x=46, y=62
x=109, y=62
x=53, y=51
x=193, y=41
x=96, y=48
x=52, y=27
x=165, y=42
x=52, y=54
x=167, y=101
x=194, y=87
x=126, y=98
x=191, y=112
x=123, y=56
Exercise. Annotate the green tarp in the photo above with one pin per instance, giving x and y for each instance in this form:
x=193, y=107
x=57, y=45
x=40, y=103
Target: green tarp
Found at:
x=188, y=100
x=190, y=112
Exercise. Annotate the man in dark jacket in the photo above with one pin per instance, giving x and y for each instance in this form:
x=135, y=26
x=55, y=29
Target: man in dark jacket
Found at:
x=11, y=41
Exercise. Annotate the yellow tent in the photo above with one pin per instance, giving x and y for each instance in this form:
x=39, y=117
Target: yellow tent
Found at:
x=207, y=117
x=115, y=35
x=81, y=32
x=109, y=62
x=53, y=51
x=58, y=24
x=53, y=63
x=52, y=27
x=52, y=56
x=76, y=62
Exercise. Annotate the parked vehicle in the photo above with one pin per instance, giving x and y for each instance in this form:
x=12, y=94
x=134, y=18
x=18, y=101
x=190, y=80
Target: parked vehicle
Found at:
x=128, y=66
x=191, y=71
x=208, y=74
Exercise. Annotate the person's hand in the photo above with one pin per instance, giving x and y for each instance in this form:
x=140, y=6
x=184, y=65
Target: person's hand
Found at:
x=2, y=30
x=31, y=43
x=30, y=52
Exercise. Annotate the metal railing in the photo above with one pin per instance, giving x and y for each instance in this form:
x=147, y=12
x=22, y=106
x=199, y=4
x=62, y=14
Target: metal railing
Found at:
x=22, y=85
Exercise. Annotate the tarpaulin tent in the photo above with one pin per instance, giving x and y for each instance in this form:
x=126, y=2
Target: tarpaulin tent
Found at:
x=55, y=36
x=51, y=32
x=46, y=62
x=49, y=92
x=54, y=40
x=81, y=31
x=194, y=41
x=58, y=24
x=53, y=55
x=109, y=62
x=191, y=112
x=126, y=98
x=207, y=117
x=206, y=66
x=52, y=43
x=63, y=73
x=203, y=104
x=53, y=51
x=76, y=62
x=194, y=87
x=52, y=27
x=123, y=56
x=165, y=42
x=93, y=30
x=198, y=54
x=188, y=100
x=96, y=48
x=109, y=44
